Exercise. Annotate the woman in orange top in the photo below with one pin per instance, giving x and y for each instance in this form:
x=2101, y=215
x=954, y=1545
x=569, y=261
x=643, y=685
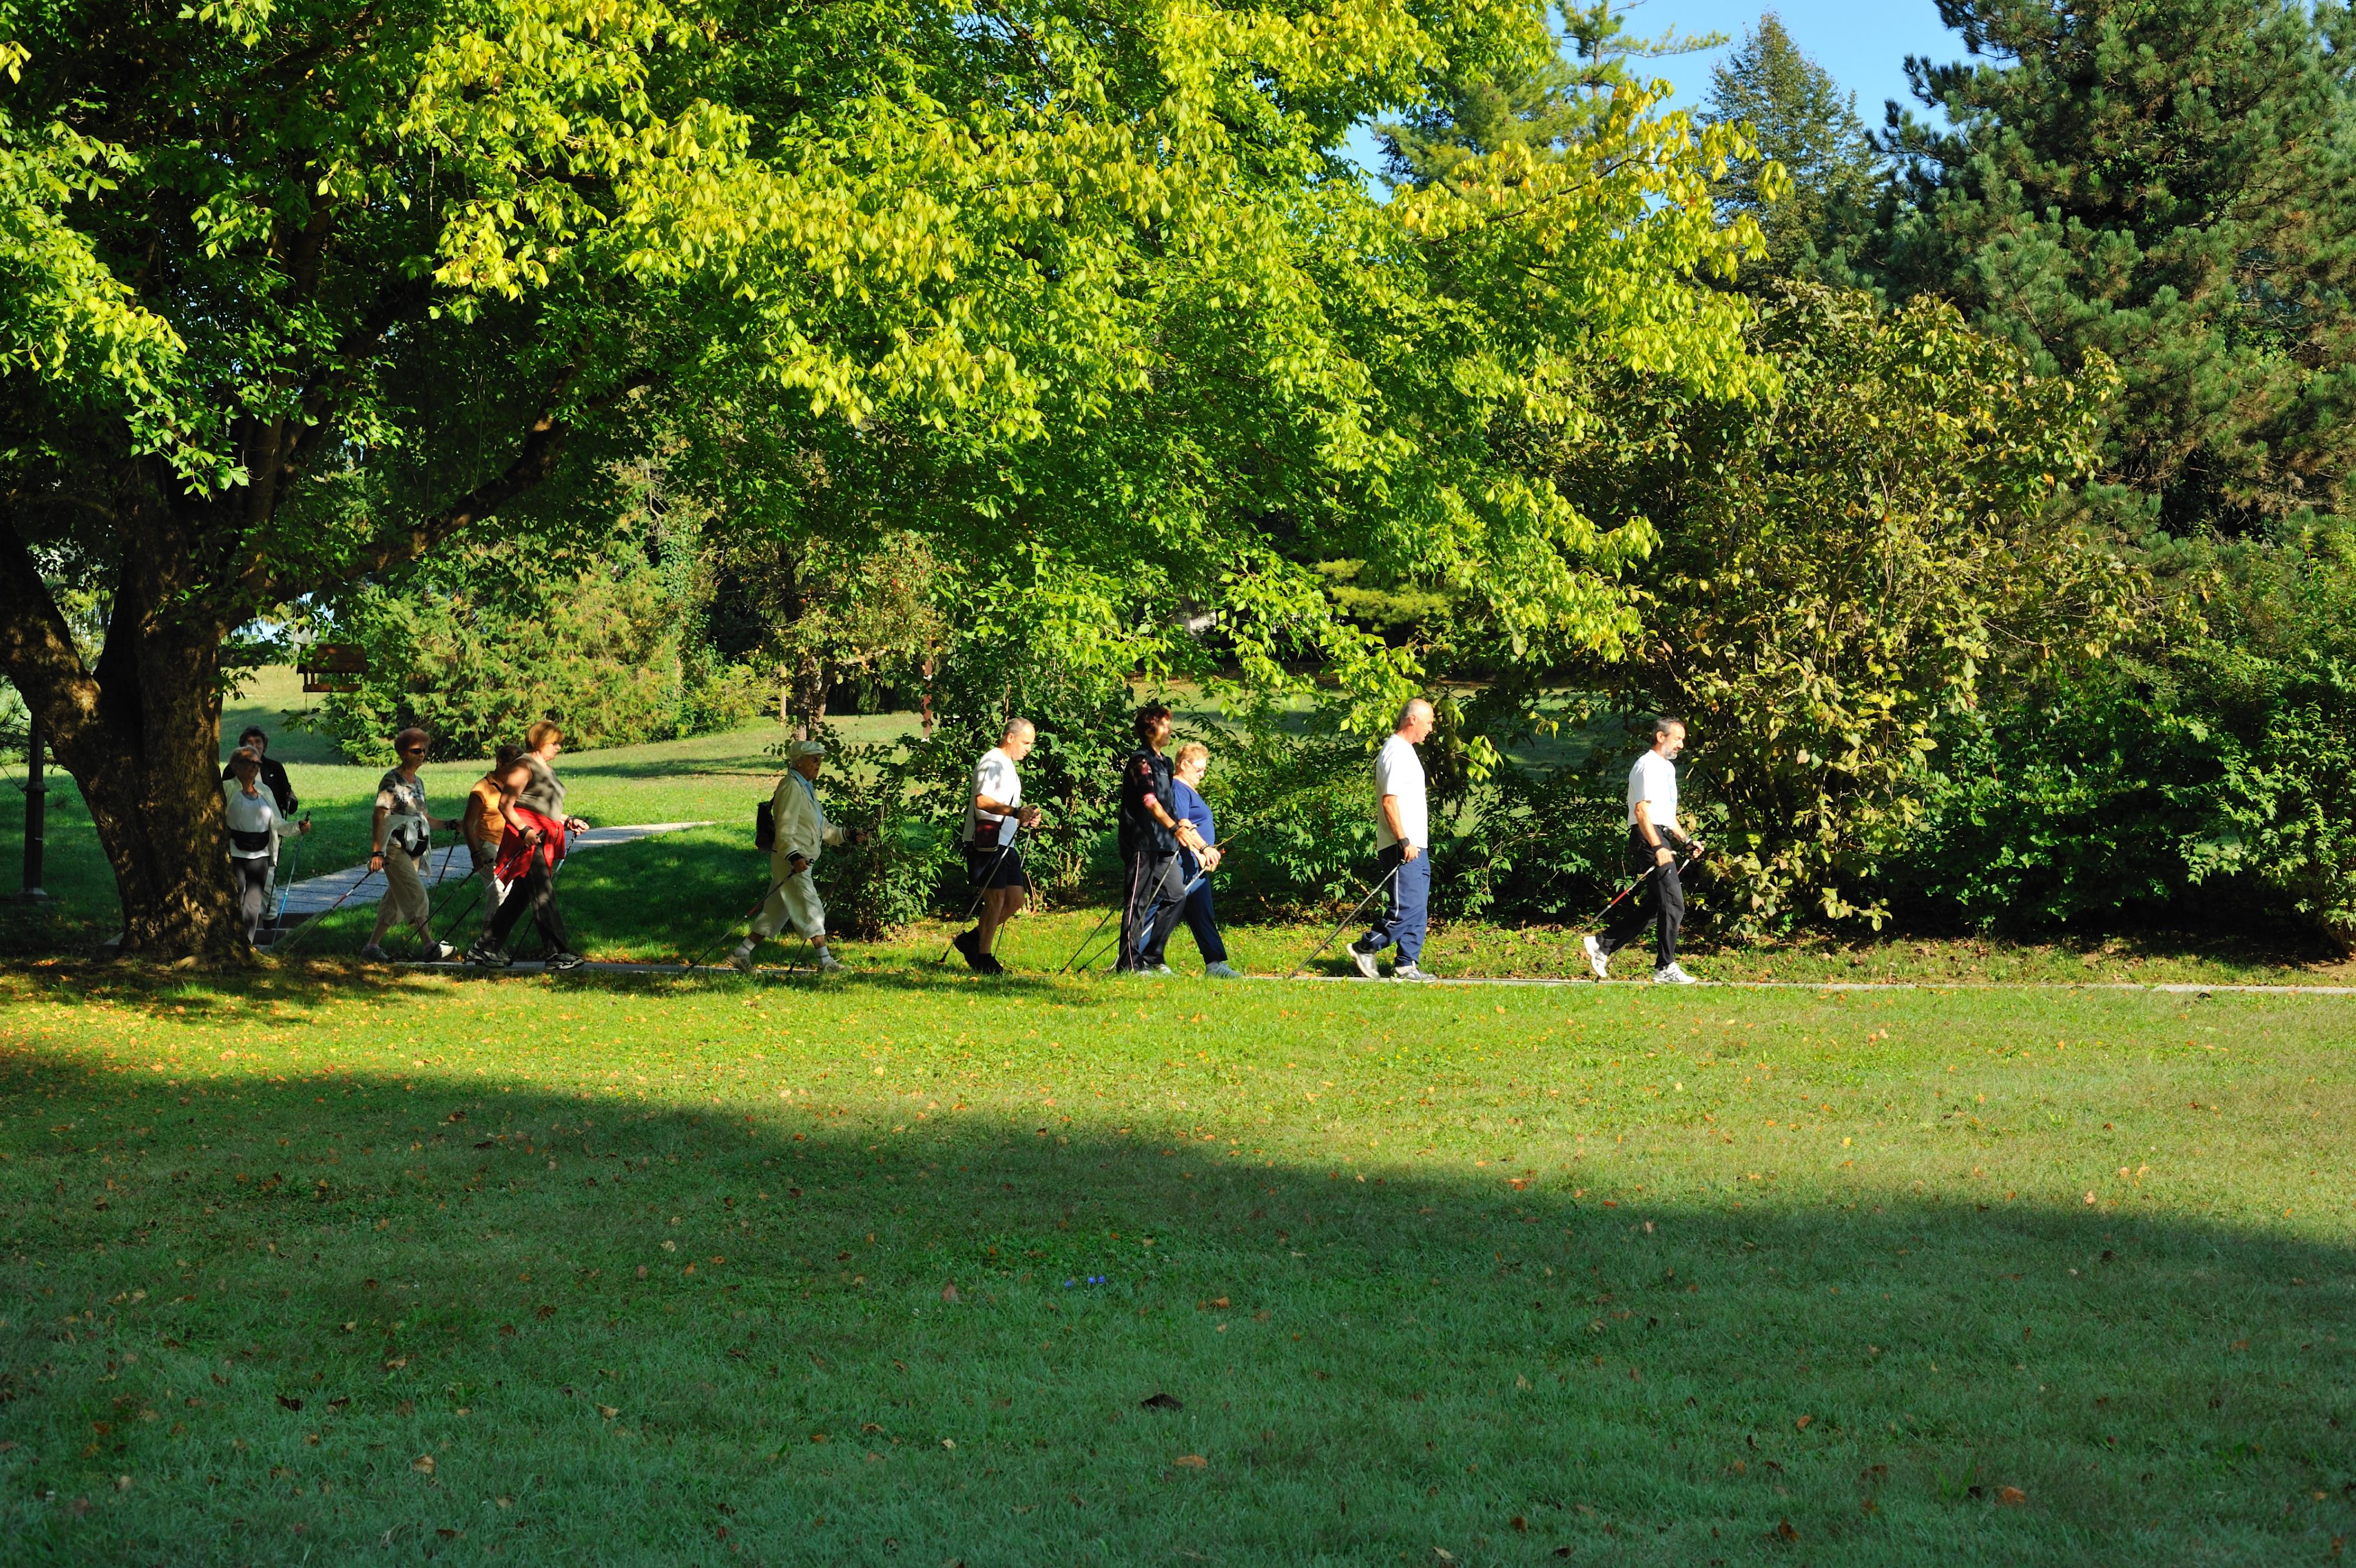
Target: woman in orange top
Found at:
x=485, y=824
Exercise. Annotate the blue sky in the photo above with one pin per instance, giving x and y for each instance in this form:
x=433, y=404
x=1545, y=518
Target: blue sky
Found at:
x=1863, y=43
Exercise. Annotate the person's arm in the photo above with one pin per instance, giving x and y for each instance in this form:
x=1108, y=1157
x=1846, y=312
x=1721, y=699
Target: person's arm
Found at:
x=376, y=834
x=1161, y=813
x=989, y=806
x=1390, y=808
x=1662, y=853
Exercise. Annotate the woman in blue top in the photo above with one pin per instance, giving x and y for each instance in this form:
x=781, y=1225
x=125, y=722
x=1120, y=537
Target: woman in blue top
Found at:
x=1188, y=806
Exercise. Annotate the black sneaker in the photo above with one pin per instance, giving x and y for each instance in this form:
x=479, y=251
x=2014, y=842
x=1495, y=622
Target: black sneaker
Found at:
x=558, y=961
x=975, y=959
x=990, y=964
x=489, y=957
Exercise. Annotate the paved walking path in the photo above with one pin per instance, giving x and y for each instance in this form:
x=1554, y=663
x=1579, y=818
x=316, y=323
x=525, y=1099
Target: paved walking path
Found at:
x=357, y=885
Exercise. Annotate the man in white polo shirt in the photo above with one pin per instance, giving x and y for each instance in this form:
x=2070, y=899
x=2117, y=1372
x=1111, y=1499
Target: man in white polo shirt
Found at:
x=1654, y=839
x=1403, y=830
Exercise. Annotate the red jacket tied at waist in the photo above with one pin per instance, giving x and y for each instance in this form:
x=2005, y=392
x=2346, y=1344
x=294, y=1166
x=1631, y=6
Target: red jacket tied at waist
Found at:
x=516, y=850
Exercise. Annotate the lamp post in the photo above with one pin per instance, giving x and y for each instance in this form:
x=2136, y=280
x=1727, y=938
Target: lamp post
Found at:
x=36, y=814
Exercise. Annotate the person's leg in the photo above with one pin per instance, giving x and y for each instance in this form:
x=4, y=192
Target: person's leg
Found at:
x=1205, y=925
x=550, y=920
x=1670, y=889
x=404, y=902
x=252, y=892
x=1384, y=930
x=1159, y=917
x=1140, y=893
x=518, y=902
x=999, y=905
x=1635, y=911
x=1411, y=907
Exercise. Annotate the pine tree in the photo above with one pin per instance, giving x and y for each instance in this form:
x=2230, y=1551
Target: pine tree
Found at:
x=1798, y=118
x=2167, y=182
x=1544, y=103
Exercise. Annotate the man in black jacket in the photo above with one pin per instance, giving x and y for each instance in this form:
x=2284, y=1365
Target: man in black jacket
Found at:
x=1149, y=840
x=273, y=773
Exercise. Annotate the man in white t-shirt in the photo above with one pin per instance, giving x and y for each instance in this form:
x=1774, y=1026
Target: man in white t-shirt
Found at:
x=1654, y=839
x=993, y=813
x=1403, y=831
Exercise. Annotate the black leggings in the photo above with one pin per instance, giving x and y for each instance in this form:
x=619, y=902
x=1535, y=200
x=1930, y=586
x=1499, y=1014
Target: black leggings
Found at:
x=536, y=892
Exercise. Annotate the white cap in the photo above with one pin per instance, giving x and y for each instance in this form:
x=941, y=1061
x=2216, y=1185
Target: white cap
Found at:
x=802, y=749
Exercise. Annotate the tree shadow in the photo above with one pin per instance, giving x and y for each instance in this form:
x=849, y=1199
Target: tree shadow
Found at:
x=420, y=1312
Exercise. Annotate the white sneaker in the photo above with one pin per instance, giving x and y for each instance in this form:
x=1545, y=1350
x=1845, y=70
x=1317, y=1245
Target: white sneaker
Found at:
x=1598, y=959
x=1407, y=971
x=828, y=963
x=741, y=960
x=1365, y=961
x=438, y=952
x=1673, y=976
x=1219, y=971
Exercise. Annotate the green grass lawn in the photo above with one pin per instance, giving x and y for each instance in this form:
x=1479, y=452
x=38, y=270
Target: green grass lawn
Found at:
x=315, y=1266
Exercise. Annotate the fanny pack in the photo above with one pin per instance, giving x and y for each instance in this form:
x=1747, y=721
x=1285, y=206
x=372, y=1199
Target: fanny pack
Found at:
x=407, y=833
x=255, y=842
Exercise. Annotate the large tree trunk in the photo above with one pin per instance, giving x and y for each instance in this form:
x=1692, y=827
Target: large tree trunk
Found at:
x=141, y=735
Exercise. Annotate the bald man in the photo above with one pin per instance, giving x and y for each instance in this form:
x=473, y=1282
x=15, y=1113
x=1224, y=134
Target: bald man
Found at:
x=1403, y=830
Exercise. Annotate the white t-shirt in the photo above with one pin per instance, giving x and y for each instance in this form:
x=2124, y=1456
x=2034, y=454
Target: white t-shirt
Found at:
x=1399, y=771
x=255, y=813
x=1654, y=779
x=993, y=776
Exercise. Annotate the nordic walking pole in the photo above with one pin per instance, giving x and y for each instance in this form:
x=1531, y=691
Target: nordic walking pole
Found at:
x=1633, y=886
x=1353, y=914
x=974, y=908
x=697, y=962
x=1090, y=941
x=293, y=864
x=300, y=931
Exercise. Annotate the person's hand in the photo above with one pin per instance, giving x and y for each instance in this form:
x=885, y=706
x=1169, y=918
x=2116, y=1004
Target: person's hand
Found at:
x=1211, y=858
x=375, y=860
x=859, y=835
x=303, y=826
x=577, y=825
x=1407, y=851
x=1664, y=854
x=794, y=865
x=1028, y=816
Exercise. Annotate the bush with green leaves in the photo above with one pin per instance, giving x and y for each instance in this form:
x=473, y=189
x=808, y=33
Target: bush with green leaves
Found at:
x=475, y=654
x=1082, y=711
x=2206, y=776
x=1844, y=569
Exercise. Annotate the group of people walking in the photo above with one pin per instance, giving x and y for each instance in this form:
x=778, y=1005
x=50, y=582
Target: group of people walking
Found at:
x=1170, y=848
x=514, y=825
x=515, y=830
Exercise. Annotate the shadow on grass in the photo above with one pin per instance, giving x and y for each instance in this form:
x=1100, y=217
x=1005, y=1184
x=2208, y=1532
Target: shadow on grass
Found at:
x=408, y=1317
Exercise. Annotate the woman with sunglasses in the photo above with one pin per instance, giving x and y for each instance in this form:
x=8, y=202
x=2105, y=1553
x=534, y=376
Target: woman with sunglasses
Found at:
x=400, y=833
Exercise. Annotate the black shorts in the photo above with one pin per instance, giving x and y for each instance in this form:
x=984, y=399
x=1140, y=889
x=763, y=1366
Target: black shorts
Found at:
x=994, y=867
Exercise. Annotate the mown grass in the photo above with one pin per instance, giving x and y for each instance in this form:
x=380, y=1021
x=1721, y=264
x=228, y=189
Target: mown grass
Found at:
x=307, y=1266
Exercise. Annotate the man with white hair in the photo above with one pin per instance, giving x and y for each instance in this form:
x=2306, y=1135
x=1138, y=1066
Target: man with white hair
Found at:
x=802, y=832
x=1403, y=830
x=993, y=864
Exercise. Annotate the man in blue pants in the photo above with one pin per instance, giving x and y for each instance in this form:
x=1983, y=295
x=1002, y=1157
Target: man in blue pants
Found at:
x=1403, y=830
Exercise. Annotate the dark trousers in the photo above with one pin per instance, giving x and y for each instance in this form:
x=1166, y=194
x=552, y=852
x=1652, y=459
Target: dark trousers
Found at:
x=1662, y=898
x=1403, y=922
x=537, y=893
x=252, y=891
x=1196, y=913
x=1145, y=922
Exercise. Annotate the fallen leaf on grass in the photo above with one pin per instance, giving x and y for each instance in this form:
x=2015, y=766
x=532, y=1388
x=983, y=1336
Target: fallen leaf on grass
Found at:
x=2011, y=1498
x=1192, y=1462
x=422, y=1464
x=1784, y=1532
x=1803, y=1423
x=289, y=1403
x=949, y=1292
x=608, y=1412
